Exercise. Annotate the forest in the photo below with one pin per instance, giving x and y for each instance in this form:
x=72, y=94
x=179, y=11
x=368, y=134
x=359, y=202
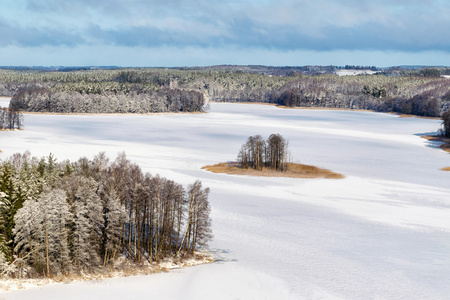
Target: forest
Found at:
x=61, y=218
x=417, y=91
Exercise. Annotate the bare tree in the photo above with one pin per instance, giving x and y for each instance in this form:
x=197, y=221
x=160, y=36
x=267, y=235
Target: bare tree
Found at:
x=277, y=152
x=252, y=153
x=198, y=227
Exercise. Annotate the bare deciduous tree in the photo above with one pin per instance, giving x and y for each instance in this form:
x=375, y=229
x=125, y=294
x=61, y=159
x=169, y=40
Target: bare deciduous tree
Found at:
x=257, y=153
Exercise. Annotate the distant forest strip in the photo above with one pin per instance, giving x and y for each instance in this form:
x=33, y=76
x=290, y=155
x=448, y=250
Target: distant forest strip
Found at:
x=420, y=91
x=62, y=218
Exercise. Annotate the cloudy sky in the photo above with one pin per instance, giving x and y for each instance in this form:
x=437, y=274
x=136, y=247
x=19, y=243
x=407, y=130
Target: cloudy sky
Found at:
x=209, y=32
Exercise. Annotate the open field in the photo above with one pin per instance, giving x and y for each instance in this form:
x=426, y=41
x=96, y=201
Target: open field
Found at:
x=382, y=232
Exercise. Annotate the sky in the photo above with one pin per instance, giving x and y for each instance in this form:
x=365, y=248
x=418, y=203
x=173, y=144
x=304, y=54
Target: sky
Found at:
x=213, y=32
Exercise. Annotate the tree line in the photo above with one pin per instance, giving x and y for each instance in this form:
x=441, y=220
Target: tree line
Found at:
x=84, y=216
x=258, y=153
x=164, y=100
x=410, y=91
x=417, y=95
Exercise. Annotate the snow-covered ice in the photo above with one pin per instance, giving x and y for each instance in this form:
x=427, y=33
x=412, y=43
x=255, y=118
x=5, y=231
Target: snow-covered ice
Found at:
x=383, y=232
x=4, y=101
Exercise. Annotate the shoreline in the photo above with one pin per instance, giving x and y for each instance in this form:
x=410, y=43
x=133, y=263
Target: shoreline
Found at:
x=445, y=141
x=115, y=114
x=400, y=115
x=444, y=146
x=199, y=258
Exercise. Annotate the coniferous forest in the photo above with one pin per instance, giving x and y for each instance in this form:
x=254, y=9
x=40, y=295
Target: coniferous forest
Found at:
x=421, y=91
x=80, y=217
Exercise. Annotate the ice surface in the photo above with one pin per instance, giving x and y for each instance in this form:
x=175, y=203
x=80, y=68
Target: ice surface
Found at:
x=383, y=232
x=4, y=102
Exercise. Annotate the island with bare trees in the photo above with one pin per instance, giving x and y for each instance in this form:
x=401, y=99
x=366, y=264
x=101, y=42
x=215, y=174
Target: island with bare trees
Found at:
x=269, y=158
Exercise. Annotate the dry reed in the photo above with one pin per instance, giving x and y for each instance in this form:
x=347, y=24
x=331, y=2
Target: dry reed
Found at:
x=293, y=171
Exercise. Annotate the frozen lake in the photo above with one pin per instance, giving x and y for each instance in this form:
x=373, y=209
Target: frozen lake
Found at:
x=4, y=102
x=383, y=232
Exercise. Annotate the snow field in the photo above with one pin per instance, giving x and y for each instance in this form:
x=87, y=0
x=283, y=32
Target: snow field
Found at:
x=383, y=232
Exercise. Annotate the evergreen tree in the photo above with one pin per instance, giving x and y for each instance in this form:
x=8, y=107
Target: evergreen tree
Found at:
x=87, y=220
x=11, y=201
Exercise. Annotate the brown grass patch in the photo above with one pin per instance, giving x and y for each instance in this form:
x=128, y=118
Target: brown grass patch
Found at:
x=293, y=171
x=446, y=169
x=414, y=116
x=322, y=108
x=446, y=142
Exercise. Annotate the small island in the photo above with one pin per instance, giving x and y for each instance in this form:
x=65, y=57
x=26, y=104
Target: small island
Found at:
x=269, y=158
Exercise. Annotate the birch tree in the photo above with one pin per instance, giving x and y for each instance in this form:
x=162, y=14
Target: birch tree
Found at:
x=198, y=226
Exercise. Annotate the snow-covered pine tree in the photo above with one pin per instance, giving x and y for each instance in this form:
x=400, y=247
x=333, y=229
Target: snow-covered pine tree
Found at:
x=114, y=216
x=26, y=231
x=9, y=204
x=58, y=215
x=41, y=234
x=3, y=264
x=87, y=221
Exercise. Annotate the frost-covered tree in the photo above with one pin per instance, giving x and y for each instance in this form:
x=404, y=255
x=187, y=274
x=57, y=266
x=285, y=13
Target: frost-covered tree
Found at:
x=57, y=218
x=113, y=219
x=57, y=221
x=28, y=230
x=41, y=232
x=11, y=199
x=198, y=226
x=87, y=221
x=3, y=264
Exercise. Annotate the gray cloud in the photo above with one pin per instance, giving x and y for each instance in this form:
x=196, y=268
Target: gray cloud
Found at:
x=36, y=37
x=321, y=25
